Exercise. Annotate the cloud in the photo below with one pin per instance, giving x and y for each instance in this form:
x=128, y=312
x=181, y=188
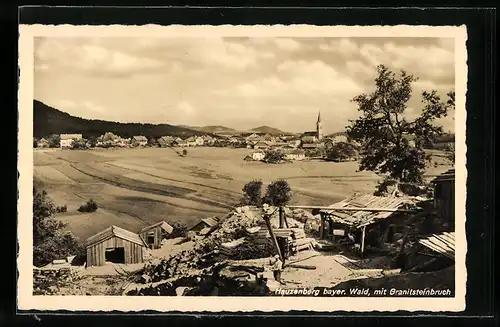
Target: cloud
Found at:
x=238, y=82
x=90, y=58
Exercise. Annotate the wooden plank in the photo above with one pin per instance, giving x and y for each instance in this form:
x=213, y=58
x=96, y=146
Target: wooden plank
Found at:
x=445, y=241
x=363, y=240
x=440, y=243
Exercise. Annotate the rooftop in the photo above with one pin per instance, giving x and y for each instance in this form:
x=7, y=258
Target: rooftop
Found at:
x=363, y=218
x=114, y=231
x=447, y=176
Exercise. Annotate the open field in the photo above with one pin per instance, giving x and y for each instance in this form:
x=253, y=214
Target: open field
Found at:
x=138, y=187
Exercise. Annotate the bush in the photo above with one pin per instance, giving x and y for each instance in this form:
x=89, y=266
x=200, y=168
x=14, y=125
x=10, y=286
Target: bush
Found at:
x=184, y=152
x=180, y=229
x=90, y=206
x=60, y=209
x=252, y=193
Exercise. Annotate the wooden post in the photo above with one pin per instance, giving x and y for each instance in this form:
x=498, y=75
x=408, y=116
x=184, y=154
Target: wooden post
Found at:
x=273, y=237
x=284, y=218
x=363, y=240
x=281, y=211
x=322, y=228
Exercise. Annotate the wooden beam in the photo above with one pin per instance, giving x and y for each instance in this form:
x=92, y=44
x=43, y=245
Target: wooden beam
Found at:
x=355, y=209
x=363, y=240
x=273, y=237
x=322, y=228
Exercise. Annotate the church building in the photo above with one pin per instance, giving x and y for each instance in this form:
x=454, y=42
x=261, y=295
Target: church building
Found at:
x=309, y=139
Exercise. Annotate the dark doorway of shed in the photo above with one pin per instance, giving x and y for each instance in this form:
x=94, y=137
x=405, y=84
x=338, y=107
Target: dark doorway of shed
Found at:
x=115, y=255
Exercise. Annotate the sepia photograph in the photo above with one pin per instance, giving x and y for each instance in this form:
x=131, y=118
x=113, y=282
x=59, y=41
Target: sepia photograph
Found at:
x=247, y=164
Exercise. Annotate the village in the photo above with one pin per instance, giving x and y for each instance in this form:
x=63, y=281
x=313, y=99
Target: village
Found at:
x=293, y=147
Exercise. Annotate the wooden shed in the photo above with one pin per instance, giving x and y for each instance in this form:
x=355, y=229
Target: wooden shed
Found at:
x=205, y=224
x=444, y=196
x=154, y=234
x=114, y=244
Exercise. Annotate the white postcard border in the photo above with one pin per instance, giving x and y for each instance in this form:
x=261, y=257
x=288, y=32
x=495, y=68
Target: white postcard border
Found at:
x=28, y=301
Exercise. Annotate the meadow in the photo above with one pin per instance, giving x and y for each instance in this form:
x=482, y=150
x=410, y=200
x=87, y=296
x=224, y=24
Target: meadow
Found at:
x=140, y=186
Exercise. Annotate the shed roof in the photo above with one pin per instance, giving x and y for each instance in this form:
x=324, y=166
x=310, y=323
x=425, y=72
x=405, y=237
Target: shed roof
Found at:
x=163, y=224
x=441, y=243
x=112, y=231
x=210, y=221
x=447, y=176
x=363, y=218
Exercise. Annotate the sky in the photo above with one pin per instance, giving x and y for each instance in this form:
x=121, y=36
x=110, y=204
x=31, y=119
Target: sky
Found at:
x=235, y=82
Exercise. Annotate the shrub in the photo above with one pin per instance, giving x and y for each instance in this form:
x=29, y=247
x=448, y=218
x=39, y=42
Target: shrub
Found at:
x=184, y=152
x=90, y=206
x=60, y=209
x=180, y=229
x=252, y=193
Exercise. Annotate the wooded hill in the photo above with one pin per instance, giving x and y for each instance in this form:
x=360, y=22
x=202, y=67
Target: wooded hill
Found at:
x=48, y=121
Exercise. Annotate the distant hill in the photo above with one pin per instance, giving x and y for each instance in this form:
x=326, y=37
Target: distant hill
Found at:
x=212, y=129
x=267, y=130
x=48, y=120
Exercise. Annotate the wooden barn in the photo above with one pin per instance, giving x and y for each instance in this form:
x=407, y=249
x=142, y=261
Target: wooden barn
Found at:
x=154, y=234
x=114, y=244
x=444, y=196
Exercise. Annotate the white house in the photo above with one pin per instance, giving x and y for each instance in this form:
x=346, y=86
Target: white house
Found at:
x=339, y=138
x=296, y=154
x=66, y=140
x=191, y=141
x=139, y=140
x=199, y=141
x=258, y=155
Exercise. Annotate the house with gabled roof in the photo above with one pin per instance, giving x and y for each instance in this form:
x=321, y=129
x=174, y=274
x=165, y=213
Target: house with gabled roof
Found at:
x=154, y=234
x=114, y=244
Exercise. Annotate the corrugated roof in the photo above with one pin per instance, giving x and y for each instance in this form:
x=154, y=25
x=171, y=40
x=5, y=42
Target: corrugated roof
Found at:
x=447, y=176
x=114, y=231
x=364, y=218
x=163, y=224
x=441, y=243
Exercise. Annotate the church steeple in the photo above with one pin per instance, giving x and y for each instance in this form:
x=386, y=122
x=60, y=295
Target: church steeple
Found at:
x=319, y=127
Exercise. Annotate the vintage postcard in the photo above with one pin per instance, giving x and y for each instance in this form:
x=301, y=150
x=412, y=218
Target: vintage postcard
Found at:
x=238, y=168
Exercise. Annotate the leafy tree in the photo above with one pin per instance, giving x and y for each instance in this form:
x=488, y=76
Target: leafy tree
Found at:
x=79, y=144
x=153, y=142
x=92, y=141
x=54, y=141
x=383, y=131
x=340, y=151
x=35, y=143
x=252, y=193
x=49, y=241
x=278, y=193
x=274, y=156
